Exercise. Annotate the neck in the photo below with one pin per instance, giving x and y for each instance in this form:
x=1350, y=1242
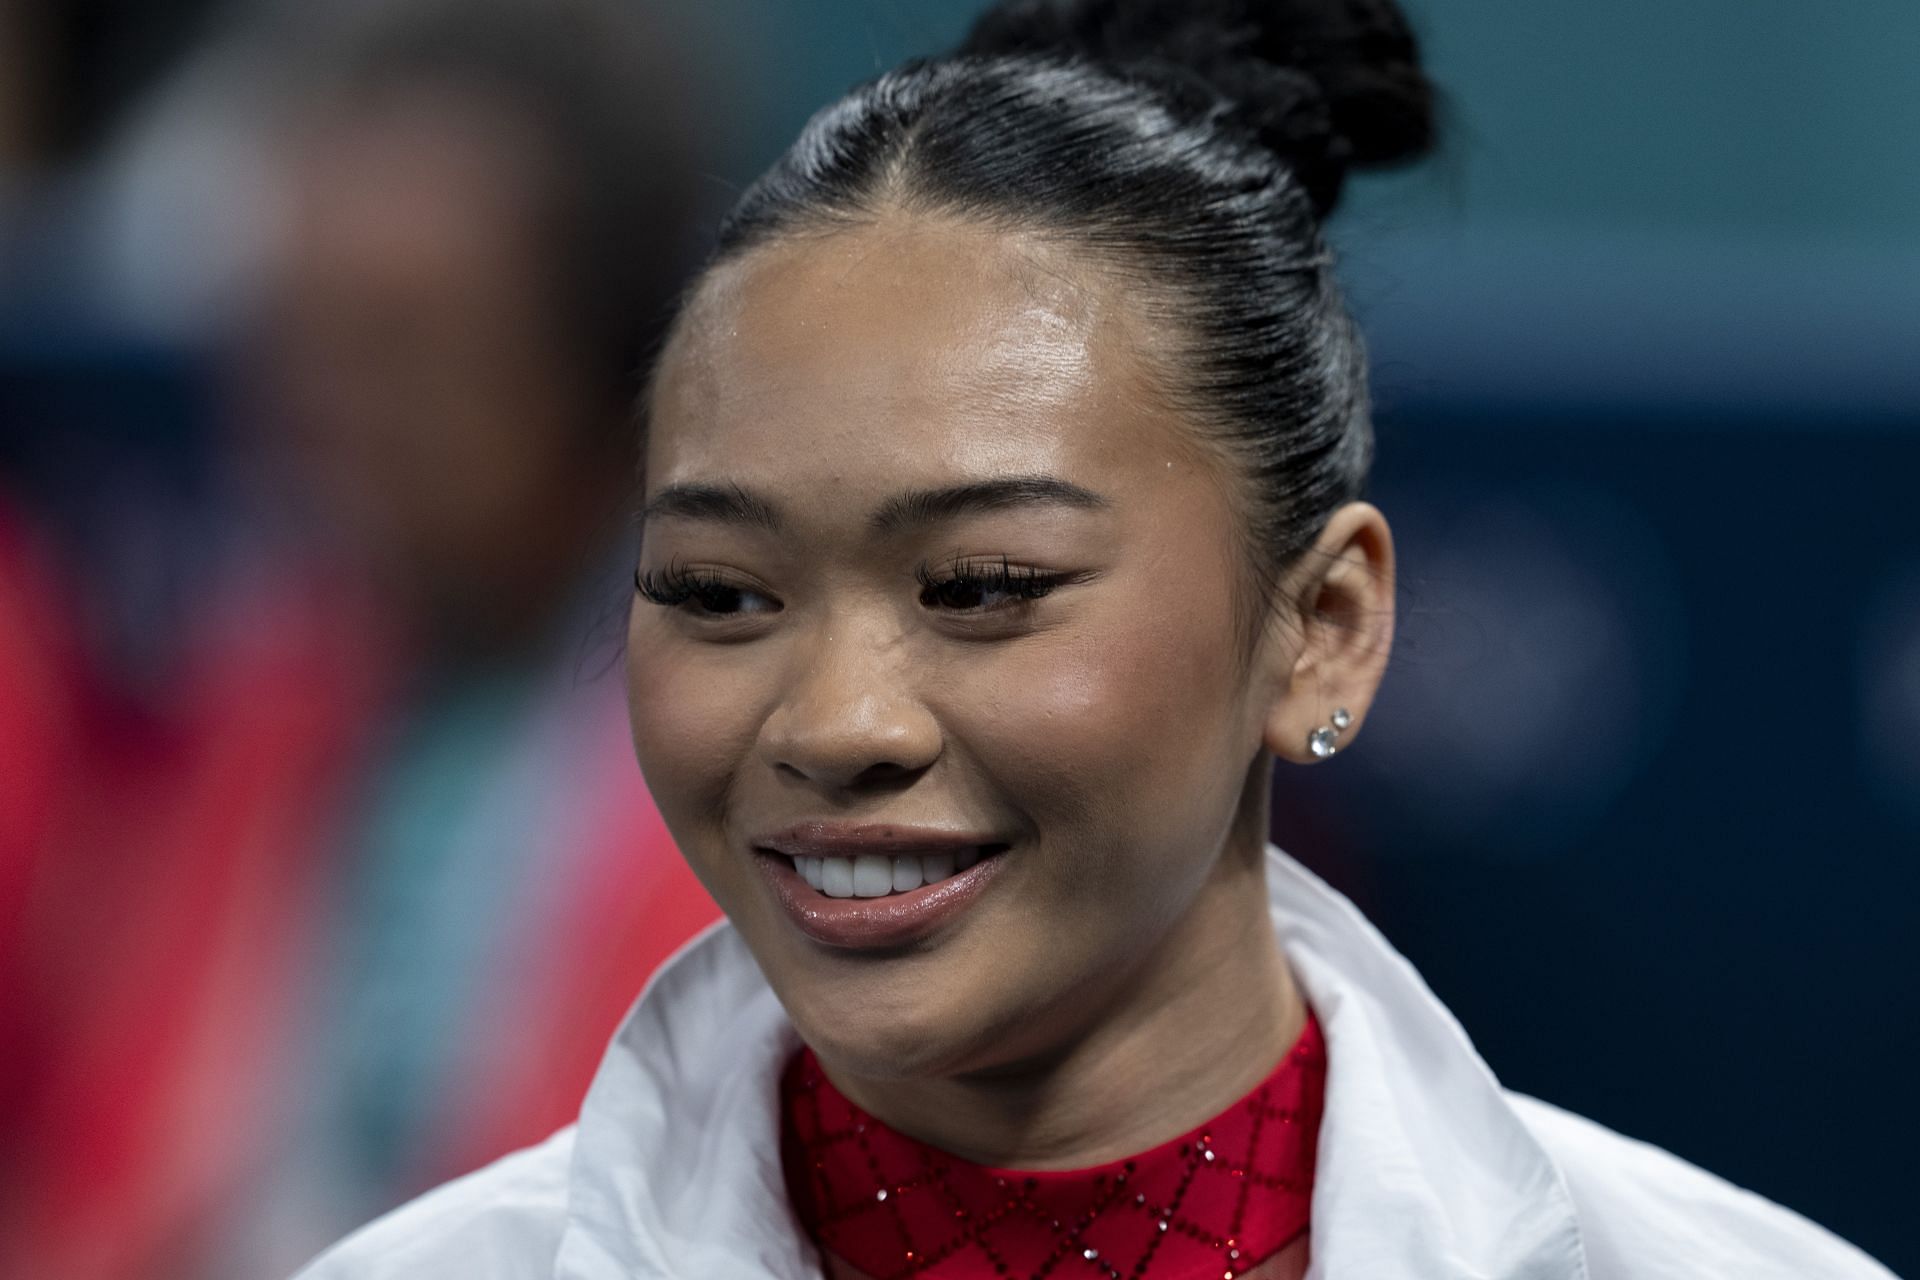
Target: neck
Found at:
x=1199, y=1022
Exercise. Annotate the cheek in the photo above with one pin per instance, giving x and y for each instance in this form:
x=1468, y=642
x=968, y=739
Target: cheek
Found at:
x=693, y=724
x=1127, y=722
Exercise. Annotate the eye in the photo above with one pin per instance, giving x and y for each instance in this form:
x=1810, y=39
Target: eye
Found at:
x=974, y=586
x=701, y=592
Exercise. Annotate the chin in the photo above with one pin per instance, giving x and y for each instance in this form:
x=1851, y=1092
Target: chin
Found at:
x=908, y=1036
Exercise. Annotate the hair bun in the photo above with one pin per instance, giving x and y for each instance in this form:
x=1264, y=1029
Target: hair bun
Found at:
x=1327, y=84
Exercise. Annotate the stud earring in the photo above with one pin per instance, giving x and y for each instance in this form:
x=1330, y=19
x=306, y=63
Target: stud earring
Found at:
x=1324, y=741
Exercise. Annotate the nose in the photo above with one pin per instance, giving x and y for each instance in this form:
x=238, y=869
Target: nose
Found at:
x=850, y=719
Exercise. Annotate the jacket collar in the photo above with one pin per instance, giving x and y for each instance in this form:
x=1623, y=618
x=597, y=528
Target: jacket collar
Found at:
x=1425, y=1170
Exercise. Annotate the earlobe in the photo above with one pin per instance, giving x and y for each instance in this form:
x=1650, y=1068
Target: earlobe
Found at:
x=1324, y=740
x=1319, y=740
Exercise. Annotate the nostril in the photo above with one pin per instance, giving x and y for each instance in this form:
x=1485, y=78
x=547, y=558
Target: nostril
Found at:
x=881, y=776
x=887, y=774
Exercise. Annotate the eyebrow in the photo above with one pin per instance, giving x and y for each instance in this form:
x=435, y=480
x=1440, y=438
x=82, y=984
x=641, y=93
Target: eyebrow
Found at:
x=925, y=506
x=731, y=504
x=726, y=503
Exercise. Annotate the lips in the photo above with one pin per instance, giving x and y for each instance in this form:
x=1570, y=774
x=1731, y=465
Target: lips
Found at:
x=875, y=886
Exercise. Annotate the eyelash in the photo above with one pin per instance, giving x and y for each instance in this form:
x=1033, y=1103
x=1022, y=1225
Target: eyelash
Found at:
x=1024, y=583
x=678, y=587
x=702, y=591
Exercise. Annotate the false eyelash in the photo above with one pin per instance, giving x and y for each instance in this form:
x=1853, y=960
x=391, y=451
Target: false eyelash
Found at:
x=1020, y=581
x=676, y=585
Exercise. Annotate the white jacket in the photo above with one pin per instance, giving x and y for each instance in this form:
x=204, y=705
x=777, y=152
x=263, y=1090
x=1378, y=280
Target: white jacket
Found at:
x=1427, y=1167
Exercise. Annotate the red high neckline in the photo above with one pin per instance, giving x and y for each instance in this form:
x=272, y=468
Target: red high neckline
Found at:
x=1215, y=1201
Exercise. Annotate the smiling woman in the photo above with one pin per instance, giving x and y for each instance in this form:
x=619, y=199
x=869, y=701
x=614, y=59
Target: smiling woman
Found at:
x=984, y=609
x=1001, y=530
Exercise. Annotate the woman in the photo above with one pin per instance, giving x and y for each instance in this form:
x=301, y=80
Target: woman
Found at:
x=1001, y=529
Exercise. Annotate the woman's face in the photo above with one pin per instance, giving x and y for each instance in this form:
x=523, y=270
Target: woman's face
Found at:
x=939, y=580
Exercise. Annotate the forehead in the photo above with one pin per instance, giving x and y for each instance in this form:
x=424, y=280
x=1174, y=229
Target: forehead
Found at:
x=905, y=351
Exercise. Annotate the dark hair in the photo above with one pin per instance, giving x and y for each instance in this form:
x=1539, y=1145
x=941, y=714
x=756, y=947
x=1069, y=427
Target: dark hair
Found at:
x=1196, y=146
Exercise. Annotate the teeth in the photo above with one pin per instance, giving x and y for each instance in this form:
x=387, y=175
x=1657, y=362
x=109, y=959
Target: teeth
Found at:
x=906, y=873
x=836, y=877
x=874, y=875
x=936, y=867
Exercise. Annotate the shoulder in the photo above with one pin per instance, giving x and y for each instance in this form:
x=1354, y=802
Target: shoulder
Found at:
x=1649, y=1215
x=500, y=1222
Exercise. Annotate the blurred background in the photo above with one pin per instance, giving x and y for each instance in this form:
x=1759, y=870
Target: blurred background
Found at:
x=324, y=868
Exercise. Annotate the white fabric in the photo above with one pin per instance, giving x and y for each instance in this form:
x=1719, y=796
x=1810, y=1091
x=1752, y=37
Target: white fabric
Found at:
x=1427, y=1167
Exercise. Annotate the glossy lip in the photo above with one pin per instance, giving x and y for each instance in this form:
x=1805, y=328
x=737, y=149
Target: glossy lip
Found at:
x=872, y=924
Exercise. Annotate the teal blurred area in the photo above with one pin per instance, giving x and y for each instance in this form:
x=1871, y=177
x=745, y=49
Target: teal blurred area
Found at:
x=1716, y=118
x=1714, y=200
x=289, y=829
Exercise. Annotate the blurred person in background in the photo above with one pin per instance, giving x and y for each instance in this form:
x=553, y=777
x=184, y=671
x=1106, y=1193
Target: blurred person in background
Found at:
x=294, y=912
x=487, y=214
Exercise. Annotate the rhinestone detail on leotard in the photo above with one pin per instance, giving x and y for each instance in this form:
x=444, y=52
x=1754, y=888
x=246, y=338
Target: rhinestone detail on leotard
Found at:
x=1214, y=1202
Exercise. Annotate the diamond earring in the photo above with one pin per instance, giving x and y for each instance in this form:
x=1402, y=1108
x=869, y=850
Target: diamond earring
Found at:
x=1324, y=741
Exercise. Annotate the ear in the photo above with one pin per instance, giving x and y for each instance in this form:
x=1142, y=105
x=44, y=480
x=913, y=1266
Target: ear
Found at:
x=1338, y=603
